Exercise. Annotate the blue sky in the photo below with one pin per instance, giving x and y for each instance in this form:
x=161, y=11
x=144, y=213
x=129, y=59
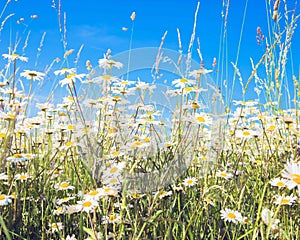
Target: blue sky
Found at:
x=97, y=25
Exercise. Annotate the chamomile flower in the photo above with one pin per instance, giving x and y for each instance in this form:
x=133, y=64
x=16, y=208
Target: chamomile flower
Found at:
x=292, y=173
x=109, y=191
x=65, y=71
x=32, y=75
x=203, y=118
x=198, y=72
x=59, y=210
x=63, y=186
x=4, y=199
x=64, y=200
x=183, y=82
x=14, y=56
x=87, y=205
x=112, y=218
x=94, y=194
x=71, y=78
x=109, y=63
x=55, y=227
x=22, y=177
x=164, y=194
x=190, y=181
x=278, y=182
x=231, y=216
x=224, y=174
x=285, y=200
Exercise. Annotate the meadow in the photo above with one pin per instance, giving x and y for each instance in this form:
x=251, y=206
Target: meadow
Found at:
x=110, y=160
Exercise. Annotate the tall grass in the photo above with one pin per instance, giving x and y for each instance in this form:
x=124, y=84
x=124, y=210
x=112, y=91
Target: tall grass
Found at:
x=85, y=168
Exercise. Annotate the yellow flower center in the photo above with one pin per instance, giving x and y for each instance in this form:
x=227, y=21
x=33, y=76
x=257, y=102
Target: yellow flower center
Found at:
x=112, y=181
x=280, y=184
x=94, y=193
x=271, y=128
x=231, y=215
x=17, y=155
x=22, y=177
x=105, y=77
x=296, y=178
x=107, y=189
x=87, y=204
x=2, y=197
x=189, y=181
x=223, y=174
x=15, y=55
x=183, y=80
x=64, y=185
x=200, y=119
x=112, y=130
x=246, y=133
x=68, y=144
x=112, y=217
x=285, y=201
x=70, y=127
x=137, y=143
x=2, y=135
x=113, y=170
x=116, y=153
x=188, y=89
x=71, y=75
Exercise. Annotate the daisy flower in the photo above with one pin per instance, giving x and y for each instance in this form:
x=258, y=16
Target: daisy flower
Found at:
x=292, y=173
x=64, y=200
x=285, y=200
x=112, y=218
x=75, y=208
x=209, y=201
x=63, y=186
x=109, y=191
x=224, y=174
x=22, y=177
x=87, y=205
x=278, y=182
x=94, y=194
x=183, y=82
x=65, y=71
x=198, y=72
x=231, y=216
x=190, y=181
x=32, y=75
x=14, y=56
x=55, y=227
x=164, y=194
x=109, y=63
x=71, y=78
x=203, y=118
x=4, y=199
x=59, y=210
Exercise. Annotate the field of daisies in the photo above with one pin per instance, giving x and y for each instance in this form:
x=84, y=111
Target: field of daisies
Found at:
x=97, y=164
